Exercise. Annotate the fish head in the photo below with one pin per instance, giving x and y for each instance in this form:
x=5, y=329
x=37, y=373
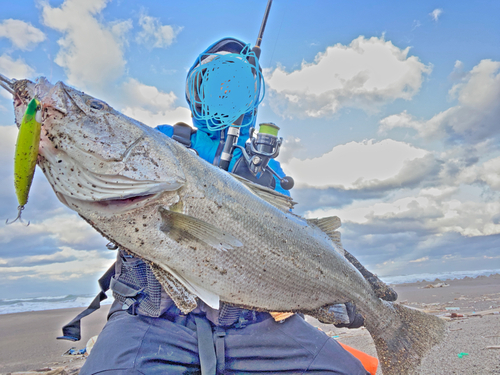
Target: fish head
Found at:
x=96, y=159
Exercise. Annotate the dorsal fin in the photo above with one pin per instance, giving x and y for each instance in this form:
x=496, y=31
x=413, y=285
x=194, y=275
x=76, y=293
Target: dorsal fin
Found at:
x=278, y=200
x=329, y=226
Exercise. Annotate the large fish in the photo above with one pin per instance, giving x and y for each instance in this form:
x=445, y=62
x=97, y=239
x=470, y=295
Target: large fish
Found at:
x=205, y=233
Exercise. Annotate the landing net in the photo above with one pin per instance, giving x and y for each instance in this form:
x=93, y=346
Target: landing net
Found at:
x=223, y=87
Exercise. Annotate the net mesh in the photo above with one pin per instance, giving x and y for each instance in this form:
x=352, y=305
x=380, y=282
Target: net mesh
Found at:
x=137, y=274
x=223, y=87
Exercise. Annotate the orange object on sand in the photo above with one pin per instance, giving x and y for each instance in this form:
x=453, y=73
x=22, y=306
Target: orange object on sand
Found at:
x=369, y=363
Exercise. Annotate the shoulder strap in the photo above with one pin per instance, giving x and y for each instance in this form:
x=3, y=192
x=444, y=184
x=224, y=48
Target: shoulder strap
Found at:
x=182, y=133
x=71, y=331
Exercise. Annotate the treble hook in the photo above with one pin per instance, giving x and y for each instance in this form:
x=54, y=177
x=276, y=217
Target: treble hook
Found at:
x=19, y=211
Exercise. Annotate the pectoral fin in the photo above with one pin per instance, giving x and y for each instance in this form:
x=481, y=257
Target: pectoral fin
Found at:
x=185, y=301
x=182, y=291
x=179, y=226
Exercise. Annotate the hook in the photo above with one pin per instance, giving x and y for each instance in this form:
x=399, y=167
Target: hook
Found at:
x=20, y=210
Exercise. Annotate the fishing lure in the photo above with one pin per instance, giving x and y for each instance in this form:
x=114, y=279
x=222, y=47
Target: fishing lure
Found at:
x=28, y=140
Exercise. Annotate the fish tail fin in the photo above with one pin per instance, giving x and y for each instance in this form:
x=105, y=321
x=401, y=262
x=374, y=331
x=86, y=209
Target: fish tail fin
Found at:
x=402, y=344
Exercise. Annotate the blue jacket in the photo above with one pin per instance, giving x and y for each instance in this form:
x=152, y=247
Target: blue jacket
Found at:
x=205, y=142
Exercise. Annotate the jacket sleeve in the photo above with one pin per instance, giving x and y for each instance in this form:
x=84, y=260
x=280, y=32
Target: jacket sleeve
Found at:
x=206, y=147
x=168, y=130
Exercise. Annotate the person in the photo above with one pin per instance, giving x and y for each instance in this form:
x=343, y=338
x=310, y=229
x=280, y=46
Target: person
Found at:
x=147, y=334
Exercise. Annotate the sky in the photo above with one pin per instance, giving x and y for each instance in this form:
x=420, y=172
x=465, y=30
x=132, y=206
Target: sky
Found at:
x=389, y=111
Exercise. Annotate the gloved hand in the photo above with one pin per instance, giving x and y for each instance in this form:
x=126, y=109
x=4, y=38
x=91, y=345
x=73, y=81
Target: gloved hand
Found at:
x=355, y=320
x=340, y=315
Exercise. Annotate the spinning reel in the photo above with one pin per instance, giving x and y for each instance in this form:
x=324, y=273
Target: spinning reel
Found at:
x=260, y=149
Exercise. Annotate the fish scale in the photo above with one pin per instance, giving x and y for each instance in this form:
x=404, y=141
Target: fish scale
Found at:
x=252, y=216
x=209, y=235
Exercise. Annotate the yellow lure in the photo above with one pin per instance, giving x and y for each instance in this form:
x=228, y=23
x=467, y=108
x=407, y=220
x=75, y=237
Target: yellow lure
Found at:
x=28, y=140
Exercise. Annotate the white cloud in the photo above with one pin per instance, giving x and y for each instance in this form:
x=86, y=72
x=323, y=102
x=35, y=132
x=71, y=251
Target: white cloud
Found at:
x=432, y=213
x=474, y=119
x=88, y=262
x=487, y=173
x=69, y=229
x=458, y=72
x=17, y=69
x=90, y=52
x=416, y=24
x=435, y=14
x=120, y=29
x=8, y=136
x=290, y=147
x=359, y=165
x=148, y=97
x=154, y=34
x=365, y=74
x=169, y=116
x=64, y=253
x=152, y=106
x=23, y=35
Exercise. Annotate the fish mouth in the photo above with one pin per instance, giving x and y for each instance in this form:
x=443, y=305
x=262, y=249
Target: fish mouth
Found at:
x=84, y=190
x=7, y=84
x=123, y=202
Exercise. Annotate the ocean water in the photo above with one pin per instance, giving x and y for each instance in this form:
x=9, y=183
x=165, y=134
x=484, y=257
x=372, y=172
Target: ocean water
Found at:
x=10, y=306
x=433, y=276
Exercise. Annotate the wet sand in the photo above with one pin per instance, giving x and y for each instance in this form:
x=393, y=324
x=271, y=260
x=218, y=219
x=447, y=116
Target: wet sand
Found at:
x=27, y=340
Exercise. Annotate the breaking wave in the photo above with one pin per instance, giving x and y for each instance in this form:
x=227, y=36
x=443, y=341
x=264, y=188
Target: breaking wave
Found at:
x=16, y=305
x=433, y=276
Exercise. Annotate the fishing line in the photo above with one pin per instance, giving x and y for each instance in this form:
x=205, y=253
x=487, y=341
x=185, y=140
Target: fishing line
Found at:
x=277, y=38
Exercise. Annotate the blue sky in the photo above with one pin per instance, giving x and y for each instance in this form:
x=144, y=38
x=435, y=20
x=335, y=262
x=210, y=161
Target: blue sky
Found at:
x=389, y=110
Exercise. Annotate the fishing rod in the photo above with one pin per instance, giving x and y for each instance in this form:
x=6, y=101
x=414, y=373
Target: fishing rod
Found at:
x=263, y=147
x=233, y=131
x=256, y=49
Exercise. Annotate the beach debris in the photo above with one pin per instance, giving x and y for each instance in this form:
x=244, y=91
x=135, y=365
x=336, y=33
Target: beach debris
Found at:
x=486, y=312
x=90, y=344
x=455, y=315
x=82, y=352
x=452, y=308
x=461, y=355
x=438, y=285
x=493, y=347
x=73, y=351
x=43, y=371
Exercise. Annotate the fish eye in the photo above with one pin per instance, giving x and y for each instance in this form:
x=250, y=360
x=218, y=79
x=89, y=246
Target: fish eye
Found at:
x=96, y=104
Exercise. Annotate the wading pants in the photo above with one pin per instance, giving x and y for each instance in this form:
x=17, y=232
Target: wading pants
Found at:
x=136, y=344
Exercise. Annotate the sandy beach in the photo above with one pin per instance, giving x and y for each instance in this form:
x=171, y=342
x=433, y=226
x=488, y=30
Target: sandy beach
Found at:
x=28, y=340
x=472, y=346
